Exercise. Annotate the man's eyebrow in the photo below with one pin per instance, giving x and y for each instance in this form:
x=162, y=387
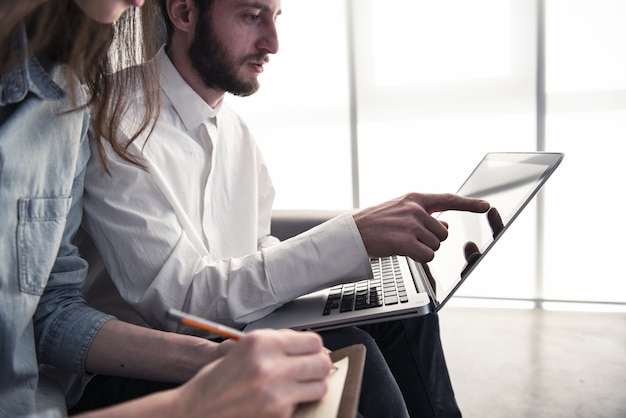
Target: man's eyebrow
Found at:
x=258, y=5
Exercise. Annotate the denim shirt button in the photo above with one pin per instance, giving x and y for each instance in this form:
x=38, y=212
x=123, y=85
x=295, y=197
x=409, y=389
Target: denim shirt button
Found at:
x=12, y=91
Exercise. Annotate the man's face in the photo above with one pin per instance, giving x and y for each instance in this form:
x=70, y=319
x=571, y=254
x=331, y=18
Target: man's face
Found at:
x=232, y=42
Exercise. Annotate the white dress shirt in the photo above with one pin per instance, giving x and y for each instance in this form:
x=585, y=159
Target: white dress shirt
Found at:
x=192, y=230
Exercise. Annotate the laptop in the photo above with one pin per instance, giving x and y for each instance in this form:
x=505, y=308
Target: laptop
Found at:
x=401, y=287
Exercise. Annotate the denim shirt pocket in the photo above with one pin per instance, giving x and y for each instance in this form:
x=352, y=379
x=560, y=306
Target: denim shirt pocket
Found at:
x=41, y=222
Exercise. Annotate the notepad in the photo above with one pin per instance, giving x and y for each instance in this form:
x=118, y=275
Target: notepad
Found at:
x=344, y=386
x=328, y=406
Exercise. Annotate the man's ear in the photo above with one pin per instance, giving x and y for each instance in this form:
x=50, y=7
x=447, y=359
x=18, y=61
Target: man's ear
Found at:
x=182, y=14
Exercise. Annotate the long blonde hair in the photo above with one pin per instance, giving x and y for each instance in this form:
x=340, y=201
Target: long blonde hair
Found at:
x=60, y=31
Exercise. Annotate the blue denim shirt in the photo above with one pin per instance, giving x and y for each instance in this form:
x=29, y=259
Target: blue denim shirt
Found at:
x=43, y=153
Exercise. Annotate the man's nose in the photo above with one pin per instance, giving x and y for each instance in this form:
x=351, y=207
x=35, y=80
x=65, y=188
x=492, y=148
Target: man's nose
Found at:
x=269, y=40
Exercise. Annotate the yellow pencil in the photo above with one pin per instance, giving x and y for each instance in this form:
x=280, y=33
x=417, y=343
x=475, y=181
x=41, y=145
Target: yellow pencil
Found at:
x=211, y=326
x=204, y=324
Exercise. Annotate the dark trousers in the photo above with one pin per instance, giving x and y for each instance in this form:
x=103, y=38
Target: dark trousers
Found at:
x=412, y=349
x=103, y=391
x=404, y=369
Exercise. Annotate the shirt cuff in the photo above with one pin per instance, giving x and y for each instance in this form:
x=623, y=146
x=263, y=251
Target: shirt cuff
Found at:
x=328, y=254
x=67, y=346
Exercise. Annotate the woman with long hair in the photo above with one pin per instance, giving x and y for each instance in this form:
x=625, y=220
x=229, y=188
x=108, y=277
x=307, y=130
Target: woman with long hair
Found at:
x=60, y=63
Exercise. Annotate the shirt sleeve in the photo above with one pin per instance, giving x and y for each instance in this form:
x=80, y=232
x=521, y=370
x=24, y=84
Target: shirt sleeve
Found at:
x=158, y=261
x=64, y=324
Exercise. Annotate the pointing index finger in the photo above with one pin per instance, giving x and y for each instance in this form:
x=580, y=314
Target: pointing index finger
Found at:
x=450, y=201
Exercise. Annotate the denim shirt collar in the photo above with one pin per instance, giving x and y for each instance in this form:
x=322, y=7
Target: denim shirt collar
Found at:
x=28, y=75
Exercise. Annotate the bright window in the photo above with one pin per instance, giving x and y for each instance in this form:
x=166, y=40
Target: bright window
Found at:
x=436, y=85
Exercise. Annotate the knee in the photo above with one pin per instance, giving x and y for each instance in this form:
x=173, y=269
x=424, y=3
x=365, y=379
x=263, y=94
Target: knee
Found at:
x=343, y=337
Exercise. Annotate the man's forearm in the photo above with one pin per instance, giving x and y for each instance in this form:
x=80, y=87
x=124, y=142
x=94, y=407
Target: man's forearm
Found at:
x=122, y=349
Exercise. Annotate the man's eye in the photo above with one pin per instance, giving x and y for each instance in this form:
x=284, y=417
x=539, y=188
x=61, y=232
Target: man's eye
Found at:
x=253, y=18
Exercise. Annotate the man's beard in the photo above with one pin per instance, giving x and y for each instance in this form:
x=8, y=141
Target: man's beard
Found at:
x=217, y=69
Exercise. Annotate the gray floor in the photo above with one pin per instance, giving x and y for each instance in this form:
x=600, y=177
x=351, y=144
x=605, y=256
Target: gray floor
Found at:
x=535, y=363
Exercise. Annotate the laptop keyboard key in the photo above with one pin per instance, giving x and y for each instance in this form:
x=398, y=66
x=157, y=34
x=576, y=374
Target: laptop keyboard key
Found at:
x=389, y=290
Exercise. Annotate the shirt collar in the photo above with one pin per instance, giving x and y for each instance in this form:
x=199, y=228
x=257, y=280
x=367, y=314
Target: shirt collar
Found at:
x=27, y=75
x=191, y=108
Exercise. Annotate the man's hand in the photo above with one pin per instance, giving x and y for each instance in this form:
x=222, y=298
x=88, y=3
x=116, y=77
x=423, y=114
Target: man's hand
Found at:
x=405, y=226
x=471, y=250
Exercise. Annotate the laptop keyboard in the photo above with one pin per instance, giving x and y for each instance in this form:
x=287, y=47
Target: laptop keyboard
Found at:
x=385, y=288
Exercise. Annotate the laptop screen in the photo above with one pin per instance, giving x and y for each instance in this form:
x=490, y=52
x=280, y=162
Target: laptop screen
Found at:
x=508, y=181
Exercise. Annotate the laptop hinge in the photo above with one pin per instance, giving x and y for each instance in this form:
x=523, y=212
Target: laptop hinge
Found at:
x=421, y=281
